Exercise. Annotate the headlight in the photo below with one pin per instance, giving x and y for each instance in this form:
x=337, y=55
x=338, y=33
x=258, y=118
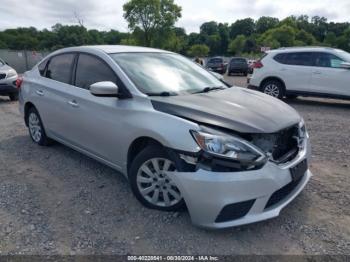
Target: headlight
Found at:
x=229, y=147
x=11, y=73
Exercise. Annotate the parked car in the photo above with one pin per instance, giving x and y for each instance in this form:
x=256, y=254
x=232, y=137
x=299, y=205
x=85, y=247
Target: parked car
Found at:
x=238, y=65
x=178, y=134
x=8, y=77
x=306, y=71
x=217, y=64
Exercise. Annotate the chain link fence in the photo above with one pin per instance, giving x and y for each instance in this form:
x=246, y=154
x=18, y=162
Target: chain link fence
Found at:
x=22, y=60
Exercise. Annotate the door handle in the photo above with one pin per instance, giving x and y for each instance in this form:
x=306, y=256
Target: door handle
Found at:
x=39, y=92
x=73, y=103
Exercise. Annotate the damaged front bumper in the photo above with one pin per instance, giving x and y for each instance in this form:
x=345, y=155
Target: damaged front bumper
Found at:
x=226, y=199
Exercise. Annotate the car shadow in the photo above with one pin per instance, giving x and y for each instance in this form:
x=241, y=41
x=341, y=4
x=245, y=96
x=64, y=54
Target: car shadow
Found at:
x=320, y=102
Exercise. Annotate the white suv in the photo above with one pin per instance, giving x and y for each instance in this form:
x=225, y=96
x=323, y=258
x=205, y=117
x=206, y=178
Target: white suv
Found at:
x=305, y=71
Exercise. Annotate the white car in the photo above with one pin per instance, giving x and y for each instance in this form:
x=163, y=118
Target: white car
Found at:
x=304, y=71
x=8, y=77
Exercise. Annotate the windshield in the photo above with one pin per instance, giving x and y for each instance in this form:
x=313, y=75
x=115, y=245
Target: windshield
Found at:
x=344, y=55
x=215, y=60
x=154, y=73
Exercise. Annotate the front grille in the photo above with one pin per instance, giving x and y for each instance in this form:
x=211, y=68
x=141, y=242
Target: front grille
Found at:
x=286, y=143
x=234, y=211
x=282, y=193
x=281, y=146
x=2, y=76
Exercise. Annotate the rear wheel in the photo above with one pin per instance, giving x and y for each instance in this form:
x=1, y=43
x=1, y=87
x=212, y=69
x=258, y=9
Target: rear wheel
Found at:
x=13, y=97
x=273, y=88
x=36, y=128
x=150, y=183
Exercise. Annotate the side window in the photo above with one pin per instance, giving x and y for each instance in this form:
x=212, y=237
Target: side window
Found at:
x=327, y=60
x=298, y=58
x=91, y=70
x=42, y=67
x=280, y=58
x=60, y=68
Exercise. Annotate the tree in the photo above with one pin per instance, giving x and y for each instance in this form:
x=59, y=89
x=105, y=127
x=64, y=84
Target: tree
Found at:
x=305, y=37
x=209, y=28
x=242, y=27
x=265, y=23
x=199, y=50
x=151, y=16
x=280, y=36
x=236, y=46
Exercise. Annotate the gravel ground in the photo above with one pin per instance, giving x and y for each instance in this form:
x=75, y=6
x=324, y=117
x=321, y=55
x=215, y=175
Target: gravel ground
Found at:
x=54, y=200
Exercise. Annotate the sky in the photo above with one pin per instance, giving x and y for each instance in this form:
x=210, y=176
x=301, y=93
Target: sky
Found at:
x=108, y=14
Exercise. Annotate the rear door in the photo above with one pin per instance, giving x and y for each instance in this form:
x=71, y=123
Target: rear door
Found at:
x=295, y=70
x=328, y=77
x=51, y=93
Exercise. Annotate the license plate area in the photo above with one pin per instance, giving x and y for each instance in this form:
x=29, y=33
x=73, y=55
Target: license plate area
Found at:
x=299, y=170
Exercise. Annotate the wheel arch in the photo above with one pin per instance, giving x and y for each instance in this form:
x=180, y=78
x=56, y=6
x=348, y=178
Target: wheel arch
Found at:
x=27, y=106
x=137, y=146
x=276, y=78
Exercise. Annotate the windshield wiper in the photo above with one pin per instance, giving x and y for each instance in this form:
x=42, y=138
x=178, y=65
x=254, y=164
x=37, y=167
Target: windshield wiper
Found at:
x=165, y=93
x=208, y=89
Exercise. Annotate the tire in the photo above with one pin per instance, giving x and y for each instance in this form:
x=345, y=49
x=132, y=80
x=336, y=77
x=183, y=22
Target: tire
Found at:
x=13, y=97
x=273, y=88
x=36, y=129
x=155, y=185
x=245, y=73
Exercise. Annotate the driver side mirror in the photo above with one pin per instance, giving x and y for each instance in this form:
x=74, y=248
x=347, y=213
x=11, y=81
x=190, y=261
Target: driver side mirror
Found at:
x=104, y=89
x=345, y=65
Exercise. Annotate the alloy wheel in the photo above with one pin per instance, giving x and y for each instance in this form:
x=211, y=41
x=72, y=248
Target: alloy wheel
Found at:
x=272, y=90
x=35, y=127
x=154, y=184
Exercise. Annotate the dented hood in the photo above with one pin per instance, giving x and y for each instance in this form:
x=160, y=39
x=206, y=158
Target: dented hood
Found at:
x=238, y=109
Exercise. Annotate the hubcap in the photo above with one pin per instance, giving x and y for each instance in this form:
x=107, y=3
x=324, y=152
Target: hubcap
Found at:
x=154, y=184
x=34, y=127
x=272, y=90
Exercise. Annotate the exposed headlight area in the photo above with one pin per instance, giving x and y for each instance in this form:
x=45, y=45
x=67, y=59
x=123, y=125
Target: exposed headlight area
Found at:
x=224, y=152
x=11, y=73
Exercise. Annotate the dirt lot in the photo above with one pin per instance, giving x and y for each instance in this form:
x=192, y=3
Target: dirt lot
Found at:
x=56, y=201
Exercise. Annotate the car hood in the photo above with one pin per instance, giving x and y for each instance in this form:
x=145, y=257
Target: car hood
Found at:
x=5, y=68
x=238, y=109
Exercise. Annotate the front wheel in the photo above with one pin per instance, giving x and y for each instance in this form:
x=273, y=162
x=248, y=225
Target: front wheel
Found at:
x=273, y=88
x=150, y=183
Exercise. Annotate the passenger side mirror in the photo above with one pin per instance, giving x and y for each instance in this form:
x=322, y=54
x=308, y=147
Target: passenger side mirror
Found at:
x=104, y=89
x=345, y=65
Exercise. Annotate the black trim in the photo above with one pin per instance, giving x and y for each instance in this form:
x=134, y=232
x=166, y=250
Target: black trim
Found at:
x=6, y=89
x=316, y=94
x=124, y=92
x=234, y=211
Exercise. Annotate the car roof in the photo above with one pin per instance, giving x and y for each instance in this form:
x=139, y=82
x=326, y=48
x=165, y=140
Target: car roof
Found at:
x=302, y=49
x=111, y=49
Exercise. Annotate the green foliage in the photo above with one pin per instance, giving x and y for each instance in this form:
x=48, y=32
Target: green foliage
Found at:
x=151, y=17
x=198, y=50
x=236, y=46
x=152, y=24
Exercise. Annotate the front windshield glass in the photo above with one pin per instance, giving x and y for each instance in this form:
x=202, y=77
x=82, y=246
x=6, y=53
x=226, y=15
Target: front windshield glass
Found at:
x=154, y=73
x=344, y=55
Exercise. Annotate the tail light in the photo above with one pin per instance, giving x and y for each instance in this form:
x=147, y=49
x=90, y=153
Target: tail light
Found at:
x=258, y=64
x=19, y=82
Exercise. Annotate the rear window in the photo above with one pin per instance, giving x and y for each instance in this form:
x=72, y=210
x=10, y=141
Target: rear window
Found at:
x=297, y=58
x=60, y=68
x=238, y=61
x=215, y=60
